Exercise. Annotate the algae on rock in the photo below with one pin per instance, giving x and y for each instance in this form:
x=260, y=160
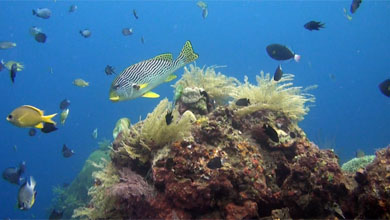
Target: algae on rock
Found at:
x=354, y=164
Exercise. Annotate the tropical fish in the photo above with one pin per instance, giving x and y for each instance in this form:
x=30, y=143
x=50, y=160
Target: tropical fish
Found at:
x=32, y=132
x=64, y=104
x=27, y=194
x=140, y=78
x=95, y=133
x=80, y=83
x=12, y=72
x=355, y=5
x=9, y=64
x=44, y=13
x=214, y=163
x=29, y=116
x=48, y=127
x=55, y=214
x=278, y=73
x=127, y=31
x=384, y=87
x=35, y=30
x=7, y=45
x=135, y=14
x=243, y=102
x=314, y=25
x=109, y=70
x=205, y=12
x=168, y=117
x=67, y=152
x=72, y=8
x=201, y=4
x=349, y=17
x=271, y=133
x=64, y=116
x=40, y=37
x=85, y=33
x=281, y=52
x=13, y=174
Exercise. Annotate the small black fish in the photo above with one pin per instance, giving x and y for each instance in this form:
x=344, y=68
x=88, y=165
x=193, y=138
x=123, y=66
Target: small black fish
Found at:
x=293, y=135
x=67, y=152
x=271, y=133
x=13, y=174
x=281, y=52
x=384, y=87
x=215, y=163
x=32, y=132
x=55, y=214
x=168, y=117
x=135, y=14
x=109, y=70
x=314, y=25
x=14, y=69
x=48, y=127
x=243, y=102
x=40, y=37
x=72, y=8
x=278, y=73
x=64, y=104
x=355, y=5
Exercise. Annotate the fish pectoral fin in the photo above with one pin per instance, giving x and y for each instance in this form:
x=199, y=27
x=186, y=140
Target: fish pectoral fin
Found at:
x=143, y=85
x=164, y=56
x=151, y=94
x=39, y=126
x=170, y=78
x=47, y=118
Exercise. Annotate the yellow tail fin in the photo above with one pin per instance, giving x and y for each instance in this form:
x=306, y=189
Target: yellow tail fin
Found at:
x=47, y=118
x=187, y=53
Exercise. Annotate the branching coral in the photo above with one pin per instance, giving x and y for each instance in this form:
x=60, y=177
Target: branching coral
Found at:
x=156, y=132
x=218, y=86
x=275, y=95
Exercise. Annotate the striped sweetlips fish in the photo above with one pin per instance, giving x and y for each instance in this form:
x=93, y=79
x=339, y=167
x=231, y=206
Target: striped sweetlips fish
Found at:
x=140, y=78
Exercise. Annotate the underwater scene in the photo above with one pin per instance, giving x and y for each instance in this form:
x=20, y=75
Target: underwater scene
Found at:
x=195, y=109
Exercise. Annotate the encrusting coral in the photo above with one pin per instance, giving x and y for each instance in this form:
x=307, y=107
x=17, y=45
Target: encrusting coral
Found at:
x=233, y=162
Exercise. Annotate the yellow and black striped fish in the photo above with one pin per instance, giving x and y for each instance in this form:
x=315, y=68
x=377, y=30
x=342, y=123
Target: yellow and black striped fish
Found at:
x=140, y=78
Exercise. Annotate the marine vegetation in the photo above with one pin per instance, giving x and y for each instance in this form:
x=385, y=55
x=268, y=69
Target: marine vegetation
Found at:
x=232, y=162
x=357, y=163
x=279, y=96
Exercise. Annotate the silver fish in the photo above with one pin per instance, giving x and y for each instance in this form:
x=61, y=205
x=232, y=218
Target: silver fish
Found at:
x=138, y=79
x=27, y=194
x=7, y=45
x=44, y=13
x=85, y=33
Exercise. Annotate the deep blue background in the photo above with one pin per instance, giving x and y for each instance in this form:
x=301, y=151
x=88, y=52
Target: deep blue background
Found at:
x=350, y=113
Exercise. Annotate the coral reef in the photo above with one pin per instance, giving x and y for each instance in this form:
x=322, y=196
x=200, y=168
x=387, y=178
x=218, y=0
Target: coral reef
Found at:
x=232, y=162
x=357, y=163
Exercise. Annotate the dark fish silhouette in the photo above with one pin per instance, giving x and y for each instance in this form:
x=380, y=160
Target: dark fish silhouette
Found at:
x=384, y=87
x=40, y=37
x=168, y=117
x=14, y=69
x=1, y=66
x=355, y=5
x=55, y=214
x=64, y=104
x=135, y=14
x=142, y=40
x=314, y=25
x=215, y=163
x=13, y=174
x=109, y=70
x=48, y=127
x=32, y=132
x=243, y=102
x=67, y=152
x=278, y=73
x=271, y=133
x=281, y=52
x=72, y=8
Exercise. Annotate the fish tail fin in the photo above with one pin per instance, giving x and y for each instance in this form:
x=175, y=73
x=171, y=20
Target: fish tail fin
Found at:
x=34, y=12
x=47, y=118
x=297, y=57
x=187, y=54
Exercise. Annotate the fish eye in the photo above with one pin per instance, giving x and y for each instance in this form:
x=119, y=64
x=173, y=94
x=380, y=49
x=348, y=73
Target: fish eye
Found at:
x=9, y=117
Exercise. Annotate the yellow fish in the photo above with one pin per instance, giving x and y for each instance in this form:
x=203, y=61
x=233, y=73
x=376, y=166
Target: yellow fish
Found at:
x=29, y=116
x=8, y=65
x=80, y=83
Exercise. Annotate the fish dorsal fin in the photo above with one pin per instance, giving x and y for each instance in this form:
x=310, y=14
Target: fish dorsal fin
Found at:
x=170, y=78
x=35, y=109
x=150, y=94
x=164, y=56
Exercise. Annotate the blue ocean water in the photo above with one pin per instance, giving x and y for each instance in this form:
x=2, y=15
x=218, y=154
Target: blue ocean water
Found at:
x=349, y=114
